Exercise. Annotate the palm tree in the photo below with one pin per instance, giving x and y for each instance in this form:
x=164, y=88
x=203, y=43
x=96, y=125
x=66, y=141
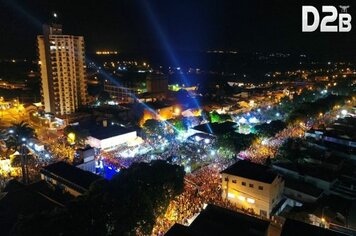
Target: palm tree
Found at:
x=15, y=138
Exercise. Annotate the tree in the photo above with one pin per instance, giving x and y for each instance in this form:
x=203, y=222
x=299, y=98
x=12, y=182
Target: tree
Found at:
x=290, y=150
x=153, y=127
x=178, y=124
x=80, y=134
x=231, y=143
x=104, y=97
x=15, y=139
x=128, y=204
x=271, y=129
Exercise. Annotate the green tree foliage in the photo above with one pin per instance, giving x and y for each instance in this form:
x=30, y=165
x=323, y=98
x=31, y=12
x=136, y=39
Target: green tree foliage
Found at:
x=153, y=127
x=128, y=204
x=80, y=134
x=291, y=150
x=104, y=97
x=178, y=124
x=313, y=109
x=232, y=143
x=14, y=137
x=271, y=129
x=219, y=118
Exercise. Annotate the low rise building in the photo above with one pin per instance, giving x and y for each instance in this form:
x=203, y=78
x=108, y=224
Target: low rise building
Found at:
x=214, y=220
x=85, y=159
x=109, y=136
x=252, y=187
x=68, y=178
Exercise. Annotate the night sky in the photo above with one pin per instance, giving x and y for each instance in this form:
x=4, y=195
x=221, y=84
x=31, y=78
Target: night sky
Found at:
x=186, y=25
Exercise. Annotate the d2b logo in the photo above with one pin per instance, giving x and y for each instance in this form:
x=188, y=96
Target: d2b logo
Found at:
x=343, y=24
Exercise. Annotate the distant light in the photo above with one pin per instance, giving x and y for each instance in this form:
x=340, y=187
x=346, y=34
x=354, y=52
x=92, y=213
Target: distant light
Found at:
x=264, y=141
x=31, y=144
x=230, y=195
x=212, y=152
x=242, y=120
x=47, y=155
x=241, y=198
x=250, y=200
x=11, y=131
x=23, y=139
x=259, y=110
x=344, y=112
x=206, y=141
x=253, y=120
x=55, y=15
x=277, y=114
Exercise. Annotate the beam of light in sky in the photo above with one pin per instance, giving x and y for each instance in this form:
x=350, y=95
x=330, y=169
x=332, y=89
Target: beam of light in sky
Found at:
x=165, y=42
x=17, y=7
x=37, y=23
x=132, y=95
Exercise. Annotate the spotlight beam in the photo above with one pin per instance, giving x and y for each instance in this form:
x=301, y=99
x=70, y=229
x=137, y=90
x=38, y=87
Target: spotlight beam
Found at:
x=165, y=42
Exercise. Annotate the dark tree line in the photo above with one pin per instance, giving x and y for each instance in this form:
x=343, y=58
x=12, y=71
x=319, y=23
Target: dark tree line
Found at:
x=313, y=109
x=128, y=204
x=271, y=129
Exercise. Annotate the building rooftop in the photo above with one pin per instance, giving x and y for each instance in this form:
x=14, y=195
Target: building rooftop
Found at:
x=101, y=132
x=19, y=199
x=297, y=228
x=216, y=128
x=303, y=187
x=250, y=170
x=214, y=220
x=158, y=105
x=313, y=170
x=70, y=175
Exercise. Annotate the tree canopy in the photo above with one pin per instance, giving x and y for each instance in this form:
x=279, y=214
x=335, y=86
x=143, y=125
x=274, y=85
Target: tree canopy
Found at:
x=128, y=204
x=271, y=129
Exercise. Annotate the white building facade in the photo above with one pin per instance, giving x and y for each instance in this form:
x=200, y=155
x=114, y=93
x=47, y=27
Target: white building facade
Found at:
x=63, y=70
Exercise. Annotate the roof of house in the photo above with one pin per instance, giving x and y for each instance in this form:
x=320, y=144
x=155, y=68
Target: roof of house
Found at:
x=214, y=220
x=216, y=128
x=70, y=175
x=19, y=200
x=100, y=132
x=303, y=187
x=297, y=228
x=250, y=170
x=179, y=230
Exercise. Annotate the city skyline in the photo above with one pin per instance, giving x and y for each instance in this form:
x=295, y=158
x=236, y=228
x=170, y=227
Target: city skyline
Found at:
x=141, y=26
x=180, y=117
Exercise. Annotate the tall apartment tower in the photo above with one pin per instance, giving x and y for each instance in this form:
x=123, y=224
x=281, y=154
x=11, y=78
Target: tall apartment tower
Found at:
x=63, y=70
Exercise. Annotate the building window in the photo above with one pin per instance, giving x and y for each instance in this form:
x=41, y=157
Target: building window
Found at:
x=260, y=187
x=234, y=181
x=263, y=213
x=243, y=183
x=250, y=185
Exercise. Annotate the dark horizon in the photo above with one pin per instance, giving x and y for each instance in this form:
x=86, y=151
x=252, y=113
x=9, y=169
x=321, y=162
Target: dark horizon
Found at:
x=142, y=26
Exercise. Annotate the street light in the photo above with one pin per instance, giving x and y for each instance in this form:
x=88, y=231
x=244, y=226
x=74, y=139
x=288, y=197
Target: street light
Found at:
x=23, y=139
